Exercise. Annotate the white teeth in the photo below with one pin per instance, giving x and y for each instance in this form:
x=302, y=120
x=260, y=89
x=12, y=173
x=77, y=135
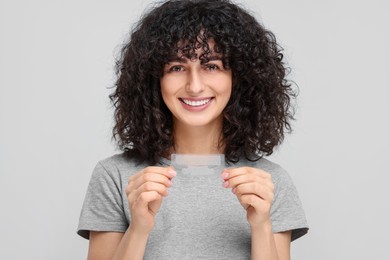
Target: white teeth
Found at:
x=196, y=103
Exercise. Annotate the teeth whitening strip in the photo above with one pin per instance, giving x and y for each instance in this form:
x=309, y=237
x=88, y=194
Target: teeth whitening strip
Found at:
x=194, y=164
x=187, y=160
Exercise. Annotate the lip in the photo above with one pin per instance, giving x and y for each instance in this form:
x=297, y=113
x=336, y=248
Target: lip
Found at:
x=196, y=104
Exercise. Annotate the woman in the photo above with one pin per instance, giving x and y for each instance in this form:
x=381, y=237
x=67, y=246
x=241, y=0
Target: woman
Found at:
x=196, y=77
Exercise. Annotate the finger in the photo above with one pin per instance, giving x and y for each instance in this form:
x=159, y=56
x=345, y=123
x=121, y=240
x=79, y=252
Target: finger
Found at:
x=151, y=186
x=150, y=177
x=234, y=172
x=248, y=178
x=143, y=200
x=254, y=188
x=169, y=172
x=248, y=200
x=241, y=179
x=134, y=194
x=136, y=180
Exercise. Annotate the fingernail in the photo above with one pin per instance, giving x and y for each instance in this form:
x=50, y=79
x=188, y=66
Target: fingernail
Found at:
x=225, y=175
x=172, y=173
x=234, y=190
x=169, y=183
x=226, y=184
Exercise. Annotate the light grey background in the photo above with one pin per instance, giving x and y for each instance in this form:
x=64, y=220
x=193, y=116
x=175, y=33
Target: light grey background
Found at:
x=56, y=64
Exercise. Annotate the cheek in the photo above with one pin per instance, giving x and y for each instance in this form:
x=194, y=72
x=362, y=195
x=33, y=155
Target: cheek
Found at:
x=224, y=82
x=225, y=86
x=167, y=93
x=227, y=92
x=164, y=89
x=167, y=99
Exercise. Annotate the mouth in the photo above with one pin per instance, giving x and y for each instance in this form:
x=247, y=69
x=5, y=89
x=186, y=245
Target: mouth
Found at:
x=195, y=103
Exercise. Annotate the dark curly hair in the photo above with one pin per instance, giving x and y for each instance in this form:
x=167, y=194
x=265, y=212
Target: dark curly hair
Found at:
x=259, y=110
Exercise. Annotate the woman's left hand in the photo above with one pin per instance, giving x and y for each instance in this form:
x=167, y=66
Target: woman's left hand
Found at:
x=255, y=191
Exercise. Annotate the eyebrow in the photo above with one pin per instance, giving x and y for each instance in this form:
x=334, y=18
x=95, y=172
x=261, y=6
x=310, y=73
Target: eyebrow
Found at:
x=185, y=60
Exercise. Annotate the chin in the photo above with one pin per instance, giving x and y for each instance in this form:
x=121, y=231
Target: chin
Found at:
x=200, y=122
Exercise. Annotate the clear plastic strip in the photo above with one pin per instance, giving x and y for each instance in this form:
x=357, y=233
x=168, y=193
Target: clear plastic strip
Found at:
x=198, y=160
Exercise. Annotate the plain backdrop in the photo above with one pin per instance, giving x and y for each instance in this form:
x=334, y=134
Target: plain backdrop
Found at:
x=56, y=70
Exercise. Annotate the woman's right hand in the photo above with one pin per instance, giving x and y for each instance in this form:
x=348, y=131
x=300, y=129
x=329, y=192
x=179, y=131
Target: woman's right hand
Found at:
x=145, y=191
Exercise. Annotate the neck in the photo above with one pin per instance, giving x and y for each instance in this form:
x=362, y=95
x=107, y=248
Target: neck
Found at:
x=198, y=139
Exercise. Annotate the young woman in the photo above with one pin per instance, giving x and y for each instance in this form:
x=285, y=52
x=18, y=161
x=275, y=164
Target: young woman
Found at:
x=196, y=77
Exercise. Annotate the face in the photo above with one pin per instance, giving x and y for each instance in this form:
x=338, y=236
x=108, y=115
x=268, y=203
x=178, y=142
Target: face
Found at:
x=195, y=92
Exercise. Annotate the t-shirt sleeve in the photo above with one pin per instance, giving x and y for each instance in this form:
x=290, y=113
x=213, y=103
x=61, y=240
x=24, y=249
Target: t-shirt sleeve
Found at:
x=103, y=205
x=287, y=212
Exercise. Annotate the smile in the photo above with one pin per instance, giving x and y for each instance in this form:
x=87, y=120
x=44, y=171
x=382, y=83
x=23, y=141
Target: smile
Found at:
x=196, y=103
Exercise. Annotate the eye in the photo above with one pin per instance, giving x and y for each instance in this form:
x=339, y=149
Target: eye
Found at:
x=211, y=67
x=176, y=68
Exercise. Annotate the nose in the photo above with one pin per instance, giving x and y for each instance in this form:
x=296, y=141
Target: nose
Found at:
x=195, y=84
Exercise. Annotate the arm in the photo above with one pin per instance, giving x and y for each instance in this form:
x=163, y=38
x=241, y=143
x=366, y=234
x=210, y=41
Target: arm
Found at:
x=255, y=191
x=268, y=245
x=144, y=191
x=116, y=245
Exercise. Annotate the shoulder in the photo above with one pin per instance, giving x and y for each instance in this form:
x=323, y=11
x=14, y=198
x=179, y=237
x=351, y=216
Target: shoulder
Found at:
x=118, y=166
x=117, y=161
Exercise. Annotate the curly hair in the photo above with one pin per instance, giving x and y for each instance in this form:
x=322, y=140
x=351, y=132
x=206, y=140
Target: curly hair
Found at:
x=259, y=110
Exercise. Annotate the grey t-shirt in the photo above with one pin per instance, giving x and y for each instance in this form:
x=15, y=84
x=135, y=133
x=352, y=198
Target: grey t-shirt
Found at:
x=199, y=219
